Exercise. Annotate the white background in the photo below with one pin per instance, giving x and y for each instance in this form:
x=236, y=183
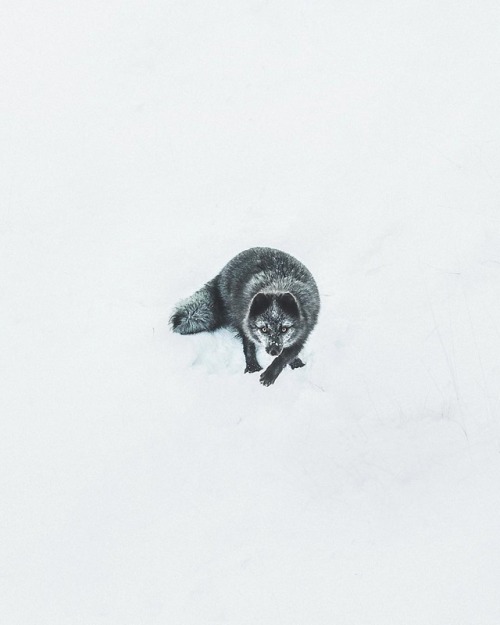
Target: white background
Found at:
x=144, y=479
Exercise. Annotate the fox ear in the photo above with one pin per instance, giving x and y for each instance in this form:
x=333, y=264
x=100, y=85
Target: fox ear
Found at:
x=289, y=304
x=260, y=303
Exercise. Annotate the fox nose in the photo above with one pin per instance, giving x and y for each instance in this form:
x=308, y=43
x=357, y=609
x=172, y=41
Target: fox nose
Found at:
x=274, y=351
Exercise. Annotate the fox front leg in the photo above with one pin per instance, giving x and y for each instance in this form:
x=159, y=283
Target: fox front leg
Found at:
x=252, y=364
x=287, y=356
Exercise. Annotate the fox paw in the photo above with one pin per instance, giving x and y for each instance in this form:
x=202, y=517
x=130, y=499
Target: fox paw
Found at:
x=295, y=364
x=268, y=377
x=253, y=367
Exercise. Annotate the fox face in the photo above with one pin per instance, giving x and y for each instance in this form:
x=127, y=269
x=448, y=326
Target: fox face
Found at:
x=274, y=321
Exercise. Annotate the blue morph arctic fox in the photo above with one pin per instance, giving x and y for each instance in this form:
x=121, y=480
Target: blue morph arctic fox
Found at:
x=268, y=297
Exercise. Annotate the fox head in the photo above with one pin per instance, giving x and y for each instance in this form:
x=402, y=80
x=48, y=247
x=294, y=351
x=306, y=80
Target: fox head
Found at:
x=273, y=321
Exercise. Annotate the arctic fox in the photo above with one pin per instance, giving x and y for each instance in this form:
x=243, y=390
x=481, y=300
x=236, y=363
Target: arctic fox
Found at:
x=267, y=296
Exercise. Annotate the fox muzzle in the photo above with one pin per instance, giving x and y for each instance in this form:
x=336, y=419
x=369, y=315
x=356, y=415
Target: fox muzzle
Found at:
x=274, y=350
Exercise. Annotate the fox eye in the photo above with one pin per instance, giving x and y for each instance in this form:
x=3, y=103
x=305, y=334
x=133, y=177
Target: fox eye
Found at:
x=284, y=329
x=263, y=329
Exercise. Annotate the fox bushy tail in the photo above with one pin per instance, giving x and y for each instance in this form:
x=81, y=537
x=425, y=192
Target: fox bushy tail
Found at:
x=202, y=312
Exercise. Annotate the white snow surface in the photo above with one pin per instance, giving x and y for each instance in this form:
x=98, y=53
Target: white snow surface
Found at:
x=144, y=479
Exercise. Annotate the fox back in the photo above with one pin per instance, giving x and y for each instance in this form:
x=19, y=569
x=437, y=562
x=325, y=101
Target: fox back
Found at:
x=273, y=273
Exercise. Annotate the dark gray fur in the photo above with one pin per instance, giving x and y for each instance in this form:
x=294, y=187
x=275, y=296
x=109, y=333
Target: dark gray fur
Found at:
x=267, y=296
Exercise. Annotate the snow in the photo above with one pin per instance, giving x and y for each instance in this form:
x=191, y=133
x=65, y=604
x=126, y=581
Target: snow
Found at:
x=144, y=479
